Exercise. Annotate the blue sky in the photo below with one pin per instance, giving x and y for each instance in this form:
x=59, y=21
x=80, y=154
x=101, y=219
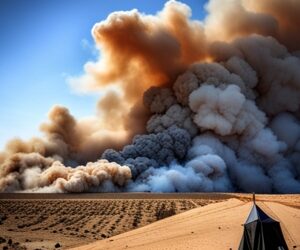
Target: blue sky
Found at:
x=42, y=42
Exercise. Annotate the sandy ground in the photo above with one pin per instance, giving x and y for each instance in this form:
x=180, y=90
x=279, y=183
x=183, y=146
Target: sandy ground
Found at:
x=215, y=226
x=137, y=220
x=40, y=221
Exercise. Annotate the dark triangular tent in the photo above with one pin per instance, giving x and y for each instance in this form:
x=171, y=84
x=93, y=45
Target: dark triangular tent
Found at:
x=261, y=232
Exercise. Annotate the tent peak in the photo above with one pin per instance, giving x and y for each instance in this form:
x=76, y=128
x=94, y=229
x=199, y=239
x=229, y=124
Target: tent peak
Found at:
x=257, y=213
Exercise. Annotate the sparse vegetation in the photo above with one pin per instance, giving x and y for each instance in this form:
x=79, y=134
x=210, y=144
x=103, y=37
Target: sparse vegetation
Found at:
x=80, y=221
x=57, y=245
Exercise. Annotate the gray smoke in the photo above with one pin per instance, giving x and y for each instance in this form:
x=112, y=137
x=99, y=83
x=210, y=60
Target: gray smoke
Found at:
x=152, y=150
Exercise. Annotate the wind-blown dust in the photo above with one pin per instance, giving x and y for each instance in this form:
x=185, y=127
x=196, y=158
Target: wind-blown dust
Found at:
x=187, y=106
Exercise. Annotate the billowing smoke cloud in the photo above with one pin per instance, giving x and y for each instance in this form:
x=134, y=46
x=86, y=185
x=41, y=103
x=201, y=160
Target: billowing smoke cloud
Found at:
x=152, y=150
x=31, y=172
x=276, y=18
x=186, y=106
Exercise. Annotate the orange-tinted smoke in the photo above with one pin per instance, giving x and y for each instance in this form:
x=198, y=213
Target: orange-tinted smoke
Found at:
x=139, y=51
x=287, y=15
x=228, y=20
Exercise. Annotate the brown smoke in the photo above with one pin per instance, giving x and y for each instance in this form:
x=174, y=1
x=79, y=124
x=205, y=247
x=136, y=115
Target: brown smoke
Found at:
x=228, y=20
x=33, y=172
x=140, y=51
x=81, y=140
x=287, y=15
x=233, y=20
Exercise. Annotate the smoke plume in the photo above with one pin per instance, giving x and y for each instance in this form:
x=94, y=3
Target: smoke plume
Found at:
x=186, y=106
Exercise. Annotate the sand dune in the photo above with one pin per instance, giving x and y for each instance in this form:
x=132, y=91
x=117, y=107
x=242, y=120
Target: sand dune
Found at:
x=215, y=226
x=135, y=220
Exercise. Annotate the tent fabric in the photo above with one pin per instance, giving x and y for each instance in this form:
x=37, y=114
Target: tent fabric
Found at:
x=261, y=232
x=257, y=214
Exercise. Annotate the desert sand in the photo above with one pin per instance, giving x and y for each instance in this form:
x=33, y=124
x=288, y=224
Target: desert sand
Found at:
x=215, y=226
x=40, y=221
x=138, y=220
